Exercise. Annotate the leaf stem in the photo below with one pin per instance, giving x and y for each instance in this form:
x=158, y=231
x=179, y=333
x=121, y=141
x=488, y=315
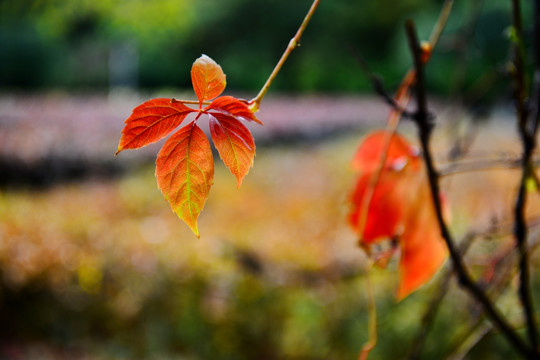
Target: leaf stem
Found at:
x=190, y=102
x=255, y=103
x=425, y=127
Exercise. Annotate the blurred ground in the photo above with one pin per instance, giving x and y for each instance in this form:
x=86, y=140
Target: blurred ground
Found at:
x=95, y=266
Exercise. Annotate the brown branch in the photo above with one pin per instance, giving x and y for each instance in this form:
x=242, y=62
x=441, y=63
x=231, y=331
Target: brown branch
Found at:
x=529, y=143
x=425, y=126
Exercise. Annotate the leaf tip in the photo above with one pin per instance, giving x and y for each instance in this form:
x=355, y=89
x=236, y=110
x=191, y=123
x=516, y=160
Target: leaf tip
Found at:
x=238, y=183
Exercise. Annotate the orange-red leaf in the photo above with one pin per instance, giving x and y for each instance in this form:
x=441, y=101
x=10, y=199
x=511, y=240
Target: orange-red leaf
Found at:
x=368, y=155
x=384, y=217
x=208, y=79
x=233, y=106
x=152, y=121
x=234, y=143
x=400, y=209
x=185, y=173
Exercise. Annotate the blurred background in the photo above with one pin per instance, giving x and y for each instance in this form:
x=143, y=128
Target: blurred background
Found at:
x=95, y=265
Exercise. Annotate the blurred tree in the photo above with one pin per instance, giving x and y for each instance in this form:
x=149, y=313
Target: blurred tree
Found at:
x=60, y=43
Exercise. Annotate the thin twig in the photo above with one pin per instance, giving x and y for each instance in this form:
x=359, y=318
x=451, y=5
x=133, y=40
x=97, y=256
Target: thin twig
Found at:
x=529, y=143
x=255, y=103
x=424, y=130
x=470, y=165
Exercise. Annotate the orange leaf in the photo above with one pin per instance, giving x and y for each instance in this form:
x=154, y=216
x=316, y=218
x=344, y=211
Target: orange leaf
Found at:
x=423, y=250
x=234, y=107
x=152, y=121
x=185, y=173
x=234, y=143
x=368, y=155
x=208, y=79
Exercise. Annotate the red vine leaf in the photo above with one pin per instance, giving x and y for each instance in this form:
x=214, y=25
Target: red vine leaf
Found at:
x=185, y=173
x=234, y=143
x=208, y=79
x=151, y=121
x=400, y=209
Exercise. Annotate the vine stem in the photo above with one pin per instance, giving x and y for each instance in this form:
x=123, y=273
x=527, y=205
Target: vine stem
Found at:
x=372, y=305
x=425, y=127
x=255, y=103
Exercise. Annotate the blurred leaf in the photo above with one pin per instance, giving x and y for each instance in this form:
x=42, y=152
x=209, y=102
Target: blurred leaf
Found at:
x=397, y=207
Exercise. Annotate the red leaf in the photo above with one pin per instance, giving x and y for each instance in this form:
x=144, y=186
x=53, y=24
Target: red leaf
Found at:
x=185, y=173
x=152, y=121
x=234, y=143
x=208, y=79
x=368, y=155
x=234, y=107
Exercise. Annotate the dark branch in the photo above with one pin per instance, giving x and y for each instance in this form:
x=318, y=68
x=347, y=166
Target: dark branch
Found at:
x=528, y=143
x=465, y=280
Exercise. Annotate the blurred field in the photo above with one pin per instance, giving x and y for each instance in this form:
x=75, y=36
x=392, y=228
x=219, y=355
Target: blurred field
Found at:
x=96, y=265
